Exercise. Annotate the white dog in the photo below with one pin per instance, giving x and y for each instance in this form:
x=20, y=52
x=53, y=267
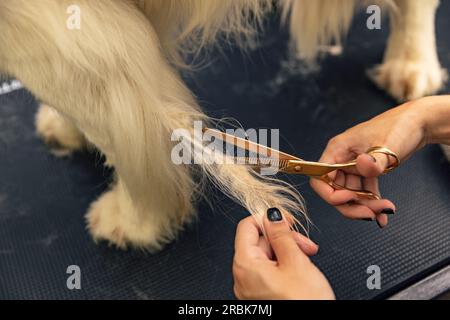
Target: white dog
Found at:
x=113, y=83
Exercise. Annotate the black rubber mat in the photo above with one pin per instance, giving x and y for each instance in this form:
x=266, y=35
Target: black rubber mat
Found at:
x=43, y=198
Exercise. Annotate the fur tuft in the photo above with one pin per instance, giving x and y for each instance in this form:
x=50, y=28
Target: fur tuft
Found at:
x=318, y=23
x=189, y=26
x=314, y=25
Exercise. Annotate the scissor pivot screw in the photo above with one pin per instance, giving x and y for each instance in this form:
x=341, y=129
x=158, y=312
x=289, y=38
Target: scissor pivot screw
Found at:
x=298, y=168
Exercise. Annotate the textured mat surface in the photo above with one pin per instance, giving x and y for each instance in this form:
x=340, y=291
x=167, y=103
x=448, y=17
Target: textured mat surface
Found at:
x=43, y=199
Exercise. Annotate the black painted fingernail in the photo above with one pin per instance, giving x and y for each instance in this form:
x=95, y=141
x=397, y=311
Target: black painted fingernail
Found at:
x=388, y=211
x=274, y=215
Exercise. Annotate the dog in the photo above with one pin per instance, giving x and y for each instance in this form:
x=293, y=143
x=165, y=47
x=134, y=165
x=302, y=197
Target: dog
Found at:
x=114, y=84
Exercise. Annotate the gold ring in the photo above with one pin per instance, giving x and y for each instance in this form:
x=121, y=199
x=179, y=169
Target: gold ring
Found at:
x=388, y=153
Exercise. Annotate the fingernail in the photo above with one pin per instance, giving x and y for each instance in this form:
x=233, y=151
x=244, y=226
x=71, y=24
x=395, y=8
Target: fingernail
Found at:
x=379, y=225
x=388, y=211
x=373, y=159
x=274, y=215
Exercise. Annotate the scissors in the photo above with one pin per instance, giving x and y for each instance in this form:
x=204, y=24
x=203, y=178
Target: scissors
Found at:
x=286, y=163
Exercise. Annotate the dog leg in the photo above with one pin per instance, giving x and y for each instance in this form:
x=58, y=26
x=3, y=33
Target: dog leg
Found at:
x=315, y=25
x=115, y=218
x=411, y=68
x=59, y=133
x=111, y=81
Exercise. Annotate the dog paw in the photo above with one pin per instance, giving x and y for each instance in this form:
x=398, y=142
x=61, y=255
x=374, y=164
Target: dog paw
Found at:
x=61, y=136
x=408, y=80
x=112, y=219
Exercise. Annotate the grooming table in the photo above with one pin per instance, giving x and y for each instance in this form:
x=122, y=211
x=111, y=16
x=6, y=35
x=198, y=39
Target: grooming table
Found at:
x=43, y=199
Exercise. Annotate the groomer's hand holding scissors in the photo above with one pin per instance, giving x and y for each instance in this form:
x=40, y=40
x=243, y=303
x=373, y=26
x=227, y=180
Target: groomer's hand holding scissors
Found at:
x=403, y=130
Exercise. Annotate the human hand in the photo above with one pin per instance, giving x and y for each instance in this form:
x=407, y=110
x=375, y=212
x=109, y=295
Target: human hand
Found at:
x=401, y=130
x=276, y=267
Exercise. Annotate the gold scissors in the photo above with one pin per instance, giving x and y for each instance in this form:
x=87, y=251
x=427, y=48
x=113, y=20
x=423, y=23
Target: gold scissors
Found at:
x=286, y=163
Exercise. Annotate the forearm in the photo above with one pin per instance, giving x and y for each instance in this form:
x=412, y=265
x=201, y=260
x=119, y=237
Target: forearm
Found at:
x=435, y=115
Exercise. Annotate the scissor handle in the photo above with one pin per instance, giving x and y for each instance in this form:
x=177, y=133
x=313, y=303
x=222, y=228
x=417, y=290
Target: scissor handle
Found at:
x=388, y=153
x=365, y=193
x=383, y=150
x=362, y=193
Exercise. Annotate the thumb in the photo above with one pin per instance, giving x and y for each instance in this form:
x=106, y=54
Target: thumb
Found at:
x=372, y=166
x=279, y=235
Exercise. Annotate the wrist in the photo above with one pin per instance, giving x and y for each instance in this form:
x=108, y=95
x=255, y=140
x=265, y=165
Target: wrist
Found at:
x=434, y=118
x=417, y=118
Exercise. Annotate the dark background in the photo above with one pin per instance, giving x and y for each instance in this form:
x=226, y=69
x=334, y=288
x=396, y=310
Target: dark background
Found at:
x=43, y=199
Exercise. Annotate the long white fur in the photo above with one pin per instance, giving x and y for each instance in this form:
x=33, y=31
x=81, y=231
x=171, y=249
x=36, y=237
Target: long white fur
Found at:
x=114, y=81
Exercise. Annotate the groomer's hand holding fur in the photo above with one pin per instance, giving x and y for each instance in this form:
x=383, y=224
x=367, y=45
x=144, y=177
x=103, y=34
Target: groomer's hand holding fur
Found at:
x=276, y=268
x=404, y=130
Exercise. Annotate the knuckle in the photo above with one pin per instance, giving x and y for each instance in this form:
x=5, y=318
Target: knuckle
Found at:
x=331, y=200
x=335, y=141
x=338, y=142
x=241, y=223
x=334, y=201
x=332, y=141
x=238, y=270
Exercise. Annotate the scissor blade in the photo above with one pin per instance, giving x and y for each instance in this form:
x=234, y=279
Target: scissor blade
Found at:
x=250, y=146
x=315, y=169
x=262, y=162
